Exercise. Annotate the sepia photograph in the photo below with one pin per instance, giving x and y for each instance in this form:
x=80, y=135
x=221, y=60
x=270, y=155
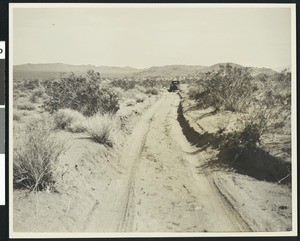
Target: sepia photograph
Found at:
x=152, y=120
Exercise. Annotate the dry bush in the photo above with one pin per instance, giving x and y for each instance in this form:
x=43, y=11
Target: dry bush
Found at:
x=82, y=93
x=125, y=84
x=30, y=84
x=246, y=139
x=151, y=82
x=130, y=102
x=119, y=92
x=26, y=106
x=140, y=88
x=195, y=91
x=16, y=116
x=251, y=128
x=37, y=93
x=152, y=91
x=140, y=98
x=71, y=120
x=36, y=155
x=229, y=88
x=103, y=128
x=22, y=95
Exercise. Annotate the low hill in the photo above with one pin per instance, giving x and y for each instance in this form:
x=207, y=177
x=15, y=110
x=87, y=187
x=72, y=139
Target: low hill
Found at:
x=51, y=71
x=170, y=70
x=41, y=71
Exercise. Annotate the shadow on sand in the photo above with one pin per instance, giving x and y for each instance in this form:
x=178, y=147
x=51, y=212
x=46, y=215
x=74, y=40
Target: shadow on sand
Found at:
x=256, y=162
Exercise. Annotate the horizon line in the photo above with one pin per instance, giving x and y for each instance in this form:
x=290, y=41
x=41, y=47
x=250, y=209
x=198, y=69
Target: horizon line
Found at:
x=140, y=68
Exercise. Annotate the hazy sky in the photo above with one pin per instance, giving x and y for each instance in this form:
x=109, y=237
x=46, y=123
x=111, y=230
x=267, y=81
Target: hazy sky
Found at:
x=144, y=37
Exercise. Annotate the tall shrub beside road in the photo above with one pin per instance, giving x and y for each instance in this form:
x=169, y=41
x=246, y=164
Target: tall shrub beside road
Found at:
x=229, y=88
x=82, y=93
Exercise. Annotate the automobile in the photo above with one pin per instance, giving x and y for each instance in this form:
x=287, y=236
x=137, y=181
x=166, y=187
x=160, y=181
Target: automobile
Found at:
x=174, y=86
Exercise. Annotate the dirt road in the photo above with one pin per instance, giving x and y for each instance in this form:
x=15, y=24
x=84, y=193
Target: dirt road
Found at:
x=161, y=190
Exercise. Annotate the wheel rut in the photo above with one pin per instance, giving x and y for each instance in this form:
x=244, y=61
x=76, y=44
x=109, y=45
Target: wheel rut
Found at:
x=161, y=189
x=165, y=194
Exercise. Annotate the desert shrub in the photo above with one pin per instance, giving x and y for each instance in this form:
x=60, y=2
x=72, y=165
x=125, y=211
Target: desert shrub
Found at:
x=103, y=128
x=82, y=93
x=229, y=88
x=150, y=83
x=250, y=130
x=119, y=92
x=276, y=91
x=140, y=88
x=31, y=84
x=36, y=156
x=37, y=93
x=152, y=91
x=16, y=116
x=140, y=98
x=22, y=95
x=77, y=127
x=246, y=139
x=272, y=105
x=195, y=92
x=16, y=94
x=130, y=102
x=67, y=119
x=26, y=106
x=125, y=84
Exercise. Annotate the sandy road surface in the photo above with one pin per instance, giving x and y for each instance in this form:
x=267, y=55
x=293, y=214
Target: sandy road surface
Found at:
x=161, y=189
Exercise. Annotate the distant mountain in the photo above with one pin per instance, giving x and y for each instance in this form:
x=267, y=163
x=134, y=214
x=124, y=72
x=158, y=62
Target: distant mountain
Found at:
x=50, y=71
x=170, y=71
x=41, y=71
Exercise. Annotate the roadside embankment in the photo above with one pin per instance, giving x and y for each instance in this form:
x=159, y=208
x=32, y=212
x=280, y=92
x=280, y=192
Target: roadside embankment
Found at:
x=256, y=184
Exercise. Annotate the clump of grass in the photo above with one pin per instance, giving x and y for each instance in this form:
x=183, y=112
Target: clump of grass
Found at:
x=103, y=128
x=36, y=155
x=26, y=106
x=71, y=120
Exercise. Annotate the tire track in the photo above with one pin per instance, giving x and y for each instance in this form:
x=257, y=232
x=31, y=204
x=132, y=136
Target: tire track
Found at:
x=138, y=141
x=160, y=208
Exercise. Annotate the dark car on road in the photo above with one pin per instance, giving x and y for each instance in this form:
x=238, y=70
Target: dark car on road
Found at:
x=174, y=86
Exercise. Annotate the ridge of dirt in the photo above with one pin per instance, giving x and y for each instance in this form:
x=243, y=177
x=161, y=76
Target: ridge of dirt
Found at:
x=258, y=164
x=249, y=197
x=117, y=201
x=87, y=172
x=164, y=171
